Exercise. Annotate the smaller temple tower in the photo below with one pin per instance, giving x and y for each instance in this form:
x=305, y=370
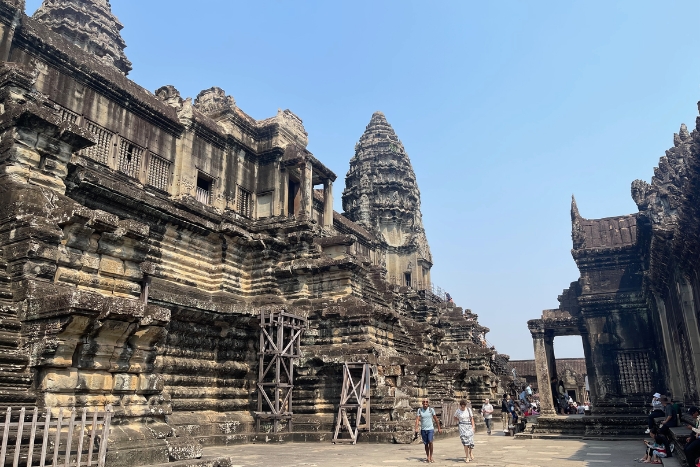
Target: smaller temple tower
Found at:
x=381, y=193
x=90, y=25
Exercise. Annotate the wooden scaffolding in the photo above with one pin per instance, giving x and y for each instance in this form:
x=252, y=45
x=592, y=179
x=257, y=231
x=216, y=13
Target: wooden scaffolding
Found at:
x=353, y=412
x=280, y=344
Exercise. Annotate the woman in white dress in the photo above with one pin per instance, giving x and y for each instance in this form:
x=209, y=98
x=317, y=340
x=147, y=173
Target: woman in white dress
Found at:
x=465, y=417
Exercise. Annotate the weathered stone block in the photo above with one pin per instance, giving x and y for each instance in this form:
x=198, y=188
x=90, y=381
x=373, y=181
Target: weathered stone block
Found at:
x=125, y=382
x=149, y=384
x=111, y=266
x=183, y=448
x=90, y=262
x=59, y=379
x=132, y=270
x=95, y=381
x=77, y=236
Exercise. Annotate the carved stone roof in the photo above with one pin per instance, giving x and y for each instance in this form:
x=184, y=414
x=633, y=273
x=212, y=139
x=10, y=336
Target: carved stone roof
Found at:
x=90, y=25
x=660, y=200
x=609, y=232
x=381, y=188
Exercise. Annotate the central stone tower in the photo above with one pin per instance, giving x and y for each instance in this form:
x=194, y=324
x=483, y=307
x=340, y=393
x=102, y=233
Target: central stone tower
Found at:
x=381, y=193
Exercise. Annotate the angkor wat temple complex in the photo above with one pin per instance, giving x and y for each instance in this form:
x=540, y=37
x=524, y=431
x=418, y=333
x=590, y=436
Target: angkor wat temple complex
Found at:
x=142, y=235
x=636, y=304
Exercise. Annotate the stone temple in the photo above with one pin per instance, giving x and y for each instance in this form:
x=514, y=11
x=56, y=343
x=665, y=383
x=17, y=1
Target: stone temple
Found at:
x=143, y=235
x=636, y=304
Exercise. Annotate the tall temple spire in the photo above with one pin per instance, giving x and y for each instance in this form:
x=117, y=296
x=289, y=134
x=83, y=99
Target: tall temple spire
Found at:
x=90, y=25
x=381, y=193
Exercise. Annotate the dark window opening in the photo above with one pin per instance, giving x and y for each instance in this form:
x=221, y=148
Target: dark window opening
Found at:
x=407, y=279
x=243, y=205
x=203, y=189
x=292, y=198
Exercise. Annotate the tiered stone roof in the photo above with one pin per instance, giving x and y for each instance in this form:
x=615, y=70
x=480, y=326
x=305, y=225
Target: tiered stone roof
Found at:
x=381, y=191
x=90, y=25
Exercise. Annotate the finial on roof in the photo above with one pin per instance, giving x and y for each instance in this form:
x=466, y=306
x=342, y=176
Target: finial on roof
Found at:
x=574, y=209
x=577, y=235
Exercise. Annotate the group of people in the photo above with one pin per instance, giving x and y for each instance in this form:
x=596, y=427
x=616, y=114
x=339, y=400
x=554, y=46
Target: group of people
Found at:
x=660, y=447
x=427, y=421
x=464, y=416
x=563, y=403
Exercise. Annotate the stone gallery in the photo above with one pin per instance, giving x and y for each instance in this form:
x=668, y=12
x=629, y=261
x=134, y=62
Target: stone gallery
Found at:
x=157, y=250
x=636, y=304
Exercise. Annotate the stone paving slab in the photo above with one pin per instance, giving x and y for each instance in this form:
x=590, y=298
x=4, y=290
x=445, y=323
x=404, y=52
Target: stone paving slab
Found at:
x=496, y=450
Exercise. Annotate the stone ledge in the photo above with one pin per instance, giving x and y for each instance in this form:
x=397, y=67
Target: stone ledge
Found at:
x=206, y=461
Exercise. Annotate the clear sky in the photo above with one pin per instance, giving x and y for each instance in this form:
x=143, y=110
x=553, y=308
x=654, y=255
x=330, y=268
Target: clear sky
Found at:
x=505, y=108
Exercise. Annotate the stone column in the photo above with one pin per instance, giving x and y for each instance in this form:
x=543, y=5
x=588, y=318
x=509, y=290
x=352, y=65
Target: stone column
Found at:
x=691, y=324
x=284, y=192
x=327, y=203
x=307, y=190
x=590, y=368
x=544, y=379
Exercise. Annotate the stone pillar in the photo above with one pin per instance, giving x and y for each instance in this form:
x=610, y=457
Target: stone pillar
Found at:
x=544, y=379
x=328, y=203
x=276, y=201
x=691, y=324
x=284, y=192
x=307, y=190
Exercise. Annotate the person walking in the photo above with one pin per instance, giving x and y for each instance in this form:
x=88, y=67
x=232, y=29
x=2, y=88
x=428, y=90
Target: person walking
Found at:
x=465, y=417
x=425, y=416
x=487, y=413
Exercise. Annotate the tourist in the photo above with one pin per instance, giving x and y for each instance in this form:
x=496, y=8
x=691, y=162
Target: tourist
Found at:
x=487, y=413
x=425, y=416
x=555, y=393
x=692, y=442
x=657, y=449
x=580, y=409
x=528, y=390
x=657, y=411
x=505, y=413
x=465, y=417
x=670, y=420
x=523, y=396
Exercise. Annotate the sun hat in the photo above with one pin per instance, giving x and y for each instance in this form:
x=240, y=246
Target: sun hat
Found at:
x=656, y=394
x=664, y=399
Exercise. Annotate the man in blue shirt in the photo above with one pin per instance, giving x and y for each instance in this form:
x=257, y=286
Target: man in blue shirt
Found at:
x=425, y=416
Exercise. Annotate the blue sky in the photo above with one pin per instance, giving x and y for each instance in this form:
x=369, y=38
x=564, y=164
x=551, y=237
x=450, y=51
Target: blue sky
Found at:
x=505, y=108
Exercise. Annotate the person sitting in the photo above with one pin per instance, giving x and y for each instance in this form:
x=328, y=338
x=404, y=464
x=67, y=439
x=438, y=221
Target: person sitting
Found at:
x=692, y=446
x=657, y=411
x=670, y=420
x=655, y=450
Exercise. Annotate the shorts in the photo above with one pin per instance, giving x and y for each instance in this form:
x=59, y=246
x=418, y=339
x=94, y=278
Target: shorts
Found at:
x=427, y=436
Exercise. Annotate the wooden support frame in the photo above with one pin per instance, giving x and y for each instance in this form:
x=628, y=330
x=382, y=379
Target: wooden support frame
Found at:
x=280, y=345
x=355, y=398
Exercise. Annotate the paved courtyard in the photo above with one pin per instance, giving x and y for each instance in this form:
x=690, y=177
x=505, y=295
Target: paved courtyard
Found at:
x=495, y=450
